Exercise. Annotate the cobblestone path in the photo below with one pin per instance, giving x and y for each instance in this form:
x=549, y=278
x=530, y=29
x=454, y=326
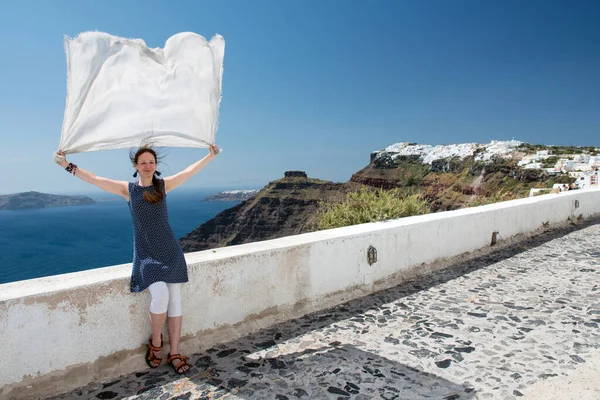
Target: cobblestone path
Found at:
x=486, y=328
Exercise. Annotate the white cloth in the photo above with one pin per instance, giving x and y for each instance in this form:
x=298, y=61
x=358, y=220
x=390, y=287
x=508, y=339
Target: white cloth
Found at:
x=121, y=93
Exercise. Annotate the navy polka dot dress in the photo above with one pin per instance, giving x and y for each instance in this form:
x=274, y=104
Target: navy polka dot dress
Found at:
x=157, y=255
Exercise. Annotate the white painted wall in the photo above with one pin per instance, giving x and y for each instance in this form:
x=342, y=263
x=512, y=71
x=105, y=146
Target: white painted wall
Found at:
x=65, y=331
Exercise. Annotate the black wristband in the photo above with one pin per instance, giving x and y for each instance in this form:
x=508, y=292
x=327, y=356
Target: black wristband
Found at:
x=71, y=168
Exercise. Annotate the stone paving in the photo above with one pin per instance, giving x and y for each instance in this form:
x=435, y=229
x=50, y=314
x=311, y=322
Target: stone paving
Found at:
x=486, y=328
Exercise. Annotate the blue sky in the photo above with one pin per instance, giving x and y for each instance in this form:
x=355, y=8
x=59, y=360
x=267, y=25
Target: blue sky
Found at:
x=317, y=85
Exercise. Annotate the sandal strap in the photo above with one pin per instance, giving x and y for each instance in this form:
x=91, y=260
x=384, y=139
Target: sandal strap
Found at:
x=152, y=357
x=179, y=367
x=179, y=357
x=156, y=348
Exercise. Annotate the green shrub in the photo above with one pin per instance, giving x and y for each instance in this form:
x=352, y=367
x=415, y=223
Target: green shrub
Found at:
x=411, y=173
x=560, y=179
x=368, y=206
x=542, y=192
x=482, y=201
x=550, y=162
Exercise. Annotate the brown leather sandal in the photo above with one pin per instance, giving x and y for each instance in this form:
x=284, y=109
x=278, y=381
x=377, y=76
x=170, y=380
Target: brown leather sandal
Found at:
x=151, y=359
x=179, y=368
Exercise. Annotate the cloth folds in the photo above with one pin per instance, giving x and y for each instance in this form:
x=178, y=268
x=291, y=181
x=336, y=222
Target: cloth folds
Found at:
x=121, y=93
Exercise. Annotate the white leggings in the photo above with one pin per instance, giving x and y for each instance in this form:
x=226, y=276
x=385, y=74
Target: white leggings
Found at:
x=166, y=298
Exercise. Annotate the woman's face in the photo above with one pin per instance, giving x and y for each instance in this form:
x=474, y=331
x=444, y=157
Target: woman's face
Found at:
x=146, y=165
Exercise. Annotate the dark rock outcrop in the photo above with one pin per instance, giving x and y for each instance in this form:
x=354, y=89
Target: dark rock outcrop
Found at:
x=31, y=200
x=447, y=165
x=295, y=174
x=384, y=177
x=284, y=207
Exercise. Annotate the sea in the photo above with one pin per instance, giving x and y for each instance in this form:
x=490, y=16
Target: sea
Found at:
x=51, y=241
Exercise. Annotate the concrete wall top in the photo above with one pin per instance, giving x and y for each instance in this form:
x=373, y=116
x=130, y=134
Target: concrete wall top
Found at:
x=19, y=289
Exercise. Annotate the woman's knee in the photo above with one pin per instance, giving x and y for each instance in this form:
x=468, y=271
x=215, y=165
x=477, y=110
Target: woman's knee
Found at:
x=175, y=306
x=160, y=298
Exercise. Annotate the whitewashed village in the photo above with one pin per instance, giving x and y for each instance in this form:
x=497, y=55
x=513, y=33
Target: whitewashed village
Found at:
x=583, y=164
x=583, y=167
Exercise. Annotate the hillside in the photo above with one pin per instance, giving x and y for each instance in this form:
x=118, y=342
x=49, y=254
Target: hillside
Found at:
x=454, y=183
x=31, y=200
x=284, y=207
x=448, y=177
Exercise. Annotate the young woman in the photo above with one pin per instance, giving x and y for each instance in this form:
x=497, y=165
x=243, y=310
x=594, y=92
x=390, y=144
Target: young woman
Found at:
x=158, y=261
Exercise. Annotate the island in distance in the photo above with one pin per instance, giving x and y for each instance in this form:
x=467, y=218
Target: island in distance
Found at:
x=31, y=200
x=232, y=195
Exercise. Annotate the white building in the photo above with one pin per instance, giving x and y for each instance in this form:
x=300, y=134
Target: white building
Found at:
x=566, y=165
x=581, y=158
x=532, y=158
x=533, y=166
x=594, y=161
x=583, y=167
x=588, y=179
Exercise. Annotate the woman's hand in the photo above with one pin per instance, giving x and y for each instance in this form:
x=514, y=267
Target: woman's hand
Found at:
x=214, y=150
x=60, y=159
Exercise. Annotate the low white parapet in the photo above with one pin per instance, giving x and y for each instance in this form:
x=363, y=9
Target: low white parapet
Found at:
x=66, y=331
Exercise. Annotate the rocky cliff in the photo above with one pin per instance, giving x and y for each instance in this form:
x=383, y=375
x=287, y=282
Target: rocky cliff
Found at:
x=30, y=200
x=284, y=207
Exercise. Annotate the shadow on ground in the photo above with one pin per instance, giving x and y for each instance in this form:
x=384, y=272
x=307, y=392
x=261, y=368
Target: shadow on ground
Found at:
x=332, y=371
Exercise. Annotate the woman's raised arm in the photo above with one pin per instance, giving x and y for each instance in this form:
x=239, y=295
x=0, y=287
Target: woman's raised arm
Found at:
x=109, y=185
x=171, y=182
